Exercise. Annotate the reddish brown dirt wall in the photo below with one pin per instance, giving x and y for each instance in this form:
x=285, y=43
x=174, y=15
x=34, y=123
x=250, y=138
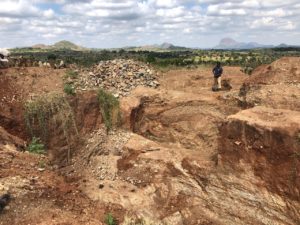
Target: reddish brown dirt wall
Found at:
x=272, y=149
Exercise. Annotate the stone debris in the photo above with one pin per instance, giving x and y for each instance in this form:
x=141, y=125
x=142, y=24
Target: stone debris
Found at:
x=17, y=185
x=102, y=151
x=118, y=76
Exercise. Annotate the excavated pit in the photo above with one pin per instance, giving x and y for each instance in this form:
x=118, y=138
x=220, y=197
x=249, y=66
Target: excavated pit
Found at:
x=183, y=155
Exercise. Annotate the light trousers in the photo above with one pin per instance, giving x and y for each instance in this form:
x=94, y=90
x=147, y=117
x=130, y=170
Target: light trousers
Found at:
x=217, y=82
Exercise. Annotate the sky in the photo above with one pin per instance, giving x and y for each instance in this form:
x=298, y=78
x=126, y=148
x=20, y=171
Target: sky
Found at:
x=116, y=23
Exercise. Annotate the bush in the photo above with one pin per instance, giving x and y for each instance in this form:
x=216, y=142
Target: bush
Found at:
x=50, y=111
x=51, y=56
x=69, y=89
x=110, y=220
x=247, y=70
x=46, y=110
x=36, y=146
x=110, y=109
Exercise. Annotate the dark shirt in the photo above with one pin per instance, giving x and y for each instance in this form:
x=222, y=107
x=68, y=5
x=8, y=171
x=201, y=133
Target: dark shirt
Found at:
x=217, y=71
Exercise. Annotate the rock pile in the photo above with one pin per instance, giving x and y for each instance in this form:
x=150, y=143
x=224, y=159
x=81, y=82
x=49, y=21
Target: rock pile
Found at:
x=118, y=76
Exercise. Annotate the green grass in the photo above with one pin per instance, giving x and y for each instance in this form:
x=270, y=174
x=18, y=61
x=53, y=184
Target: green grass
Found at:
x=110, y=109
x=69, y=89
x=36, y=146
x=110, y=220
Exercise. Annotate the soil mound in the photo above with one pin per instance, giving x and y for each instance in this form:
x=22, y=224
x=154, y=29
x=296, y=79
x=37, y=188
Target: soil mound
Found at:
x=276, y=85
x=285, y=70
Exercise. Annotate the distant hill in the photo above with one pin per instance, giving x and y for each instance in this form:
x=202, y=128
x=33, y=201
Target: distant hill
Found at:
x=229, y=43
x=282, y=45
x=71, y=46
x=67, y=45
x=41, y=46
x=61, y=45
x=162, y=47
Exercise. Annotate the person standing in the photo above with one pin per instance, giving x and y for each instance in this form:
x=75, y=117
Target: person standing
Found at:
x=217, y=71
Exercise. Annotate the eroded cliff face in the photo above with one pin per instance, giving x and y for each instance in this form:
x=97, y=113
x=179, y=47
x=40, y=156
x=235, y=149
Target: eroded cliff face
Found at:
x=267, y=140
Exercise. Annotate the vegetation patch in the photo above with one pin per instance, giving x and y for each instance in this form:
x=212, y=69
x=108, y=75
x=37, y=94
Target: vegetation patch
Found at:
x=51, y=110
x=36, y=146
x=110, y=220
x=69, y=89
x=246, y=59
x=110, y=109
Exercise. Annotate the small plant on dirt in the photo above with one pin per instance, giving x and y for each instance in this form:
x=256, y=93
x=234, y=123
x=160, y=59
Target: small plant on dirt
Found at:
x=110, y=220
x=69, y=89
x=42, y=164
x=110, y=109
x=71, y=74
x=36, y=146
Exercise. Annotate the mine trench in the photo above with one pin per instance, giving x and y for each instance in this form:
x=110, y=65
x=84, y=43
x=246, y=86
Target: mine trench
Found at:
x=180, y=155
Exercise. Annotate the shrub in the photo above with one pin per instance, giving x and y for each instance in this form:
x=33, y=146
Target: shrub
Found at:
x=247, y=70
x=49, y=109
x=110, y=220
x=51, y=56
x=110, y=109
x=36, y=146
x=69, y=89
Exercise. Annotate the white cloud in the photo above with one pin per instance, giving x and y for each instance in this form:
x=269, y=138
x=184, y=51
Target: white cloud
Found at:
x=15, y=8
x=172, y=12
x=49, y=13
x=227, y=9
x=111, y=23
x=164, y=3
x=279, y=12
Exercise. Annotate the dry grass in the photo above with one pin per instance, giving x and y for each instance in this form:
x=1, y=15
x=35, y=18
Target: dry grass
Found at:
x=50, y=110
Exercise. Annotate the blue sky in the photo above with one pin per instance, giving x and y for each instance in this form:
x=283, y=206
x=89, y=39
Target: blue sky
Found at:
x=119, y=23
